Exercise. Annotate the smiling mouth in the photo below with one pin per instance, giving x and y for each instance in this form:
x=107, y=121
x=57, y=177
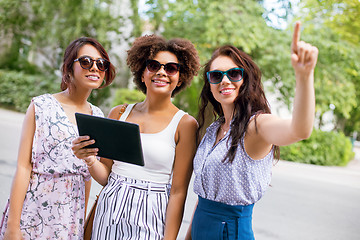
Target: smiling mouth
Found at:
x=226, y=91
x=160, y=82
x=92, y=77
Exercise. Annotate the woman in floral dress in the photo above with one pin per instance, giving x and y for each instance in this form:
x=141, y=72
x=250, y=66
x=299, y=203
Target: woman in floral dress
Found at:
x=51, y=186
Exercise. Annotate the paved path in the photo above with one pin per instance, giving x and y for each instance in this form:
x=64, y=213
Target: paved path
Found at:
x=304, y=202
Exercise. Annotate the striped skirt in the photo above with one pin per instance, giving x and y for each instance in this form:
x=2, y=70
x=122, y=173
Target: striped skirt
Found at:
x=131, y=209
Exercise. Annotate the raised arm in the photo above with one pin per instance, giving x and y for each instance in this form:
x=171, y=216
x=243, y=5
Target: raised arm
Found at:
x=303, y=59
x=277, y=131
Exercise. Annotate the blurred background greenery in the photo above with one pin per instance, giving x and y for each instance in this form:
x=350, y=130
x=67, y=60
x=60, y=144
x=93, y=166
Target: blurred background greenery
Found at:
x=34, y=34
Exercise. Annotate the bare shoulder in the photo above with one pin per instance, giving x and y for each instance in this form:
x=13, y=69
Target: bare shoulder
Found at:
x=186, y=132
x=116, y=111
x=188, y=122
x=30, y=112
x=31, y=107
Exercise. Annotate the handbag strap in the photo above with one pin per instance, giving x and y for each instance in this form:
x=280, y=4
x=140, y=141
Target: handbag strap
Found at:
x=122, y=109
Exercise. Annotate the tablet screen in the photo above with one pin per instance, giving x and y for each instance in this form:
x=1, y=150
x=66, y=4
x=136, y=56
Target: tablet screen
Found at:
x=116, y=140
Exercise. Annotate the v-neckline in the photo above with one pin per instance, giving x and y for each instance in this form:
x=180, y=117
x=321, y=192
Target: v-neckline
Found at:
x=64, y=113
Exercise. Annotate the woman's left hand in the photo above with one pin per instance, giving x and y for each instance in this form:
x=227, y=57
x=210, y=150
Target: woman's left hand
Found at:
x=79, y=144
x=303, y=55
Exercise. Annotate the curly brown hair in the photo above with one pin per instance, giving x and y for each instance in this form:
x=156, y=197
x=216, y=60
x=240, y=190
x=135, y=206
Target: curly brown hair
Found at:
x=146, y=47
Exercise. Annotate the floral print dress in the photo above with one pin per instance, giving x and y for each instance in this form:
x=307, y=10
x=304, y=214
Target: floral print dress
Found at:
x=54, y=204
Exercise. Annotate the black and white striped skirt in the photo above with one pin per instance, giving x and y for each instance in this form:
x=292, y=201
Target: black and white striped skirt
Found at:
x=131, y=209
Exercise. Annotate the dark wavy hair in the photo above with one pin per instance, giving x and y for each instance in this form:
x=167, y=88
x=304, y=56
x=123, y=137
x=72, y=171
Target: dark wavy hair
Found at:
x=250, y=101
x=146, y=47
x=71, y=54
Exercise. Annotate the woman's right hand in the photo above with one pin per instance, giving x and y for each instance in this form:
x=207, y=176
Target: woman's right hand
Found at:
x=78, y=147
x=13, y=234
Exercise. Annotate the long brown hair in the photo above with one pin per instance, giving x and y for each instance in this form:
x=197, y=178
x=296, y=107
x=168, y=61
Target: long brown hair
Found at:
x=250, y=101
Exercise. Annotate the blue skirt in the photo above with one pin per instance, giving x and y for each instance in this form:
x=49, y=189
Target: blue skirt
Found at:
x=214, y=220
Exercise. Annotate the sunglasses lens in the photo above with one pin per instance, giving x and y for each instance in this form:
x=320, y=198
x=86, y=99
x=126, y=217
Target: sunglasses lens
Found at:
x=102, y=64
x=153, y=66
x=85, y=62
x=235, y=74
x=215, y=77
x=171, y=68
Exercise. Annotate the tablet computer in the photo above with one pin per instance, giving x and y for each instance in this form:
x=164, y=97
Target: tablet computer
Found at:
x=116, y=140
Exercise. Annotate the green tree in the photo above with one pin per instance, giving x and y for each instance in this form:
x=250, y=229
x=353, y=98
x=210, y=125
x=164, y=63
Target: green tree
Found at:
x=209, y=24
x=37, y=32
x=334, y=26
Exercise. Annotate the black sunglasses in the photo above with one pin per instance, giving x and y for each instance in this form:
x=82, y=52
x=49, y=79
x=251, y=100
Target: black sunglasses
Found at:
x=170, y=68
x=234, y=75
x=87, y=63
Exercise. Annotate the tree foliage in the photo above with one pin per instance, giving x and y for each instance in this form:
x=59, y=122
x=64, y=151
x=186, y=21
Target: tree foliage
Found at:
x=334, y=27
x=330, y=25
x=38, y=31
x=322, y=148
x=210, y=24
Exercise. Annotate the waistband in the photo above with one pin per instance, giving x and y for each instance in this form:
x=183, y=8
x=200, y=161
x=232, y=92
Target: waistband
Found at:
x=225, y=209
x=55, y=175
x=148, y=186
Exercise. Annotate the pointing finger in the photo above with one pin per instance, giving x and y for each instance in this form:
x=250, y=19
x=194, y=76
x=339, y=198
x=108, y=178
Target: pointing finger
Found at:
x=296, y=37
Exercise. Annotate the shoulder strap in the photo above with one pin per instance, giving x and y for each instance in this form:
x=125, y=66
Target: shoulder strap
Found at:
x=122, y=110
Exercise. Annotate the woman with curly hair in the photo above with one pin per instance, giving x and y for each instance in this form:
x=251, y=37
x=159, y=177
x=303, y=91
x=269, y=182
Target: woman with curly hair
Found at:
x=138, y=202
x=233, y=162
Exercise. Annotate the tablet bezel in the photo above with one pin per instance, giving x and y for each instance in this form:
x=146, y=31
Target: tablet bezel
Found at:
x=115, y=139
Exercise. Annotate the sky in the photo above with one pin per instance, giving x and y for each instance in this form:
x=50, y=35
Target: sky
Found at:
x=275, y=21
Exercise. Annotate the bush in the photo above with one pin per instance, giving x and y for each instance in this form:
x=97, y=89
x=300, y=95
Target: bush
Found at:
x=322, y=148
x=124, y=95
x=17, y=88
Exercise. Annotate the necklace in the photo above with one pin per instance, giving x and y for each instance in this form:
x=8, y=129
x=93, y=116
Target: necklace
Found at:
x=224, y=131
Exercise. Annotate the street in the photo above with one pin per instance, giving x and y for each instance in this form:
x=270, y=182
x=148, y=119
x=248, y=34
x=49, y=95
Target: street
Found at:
x=304, y=201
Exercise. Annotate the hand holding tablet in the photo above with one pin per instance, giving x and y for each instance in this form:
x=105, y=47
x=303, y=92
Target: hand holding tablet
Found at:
x=116, y=140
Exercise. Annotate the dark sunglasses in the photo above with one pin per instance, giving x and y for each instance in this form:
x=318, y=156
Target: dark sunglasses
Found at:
x=87, y=63
x=170, y=68
x=234, y=75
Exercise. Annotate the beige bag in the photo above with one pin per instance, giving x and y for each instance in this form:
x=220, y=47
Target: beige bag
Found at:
x=89, y=221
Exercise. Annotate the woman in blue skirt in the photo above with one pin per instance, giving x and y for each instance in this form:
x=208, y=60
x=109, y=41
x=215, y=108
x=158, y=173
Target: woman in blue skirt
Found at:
x=233, y=162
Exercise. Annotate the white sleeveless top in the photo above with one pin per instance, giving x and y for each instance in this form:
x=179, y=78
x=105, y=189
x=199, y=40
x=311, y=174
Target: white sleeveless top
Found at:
x=158, y=150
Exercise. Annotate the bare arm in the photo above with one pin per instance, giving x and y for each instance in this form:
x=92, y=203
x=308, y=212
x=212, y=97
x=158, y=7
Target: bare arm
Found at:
x=22, y=175
x=183, y=166
x=87, y=194
x=272, y=130
x=99, y=170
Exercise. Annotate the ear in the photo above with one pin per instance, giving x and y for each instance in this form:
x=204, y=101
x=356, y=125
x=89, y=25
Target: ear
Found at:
x=179, y=84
